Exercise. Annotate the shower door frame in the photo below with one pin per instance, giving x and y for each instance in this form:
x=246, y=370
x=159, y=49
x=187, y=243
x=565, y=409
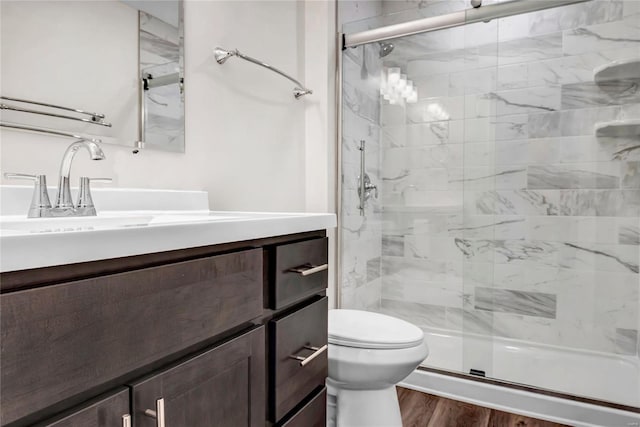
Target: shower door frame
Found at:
x=338, y=252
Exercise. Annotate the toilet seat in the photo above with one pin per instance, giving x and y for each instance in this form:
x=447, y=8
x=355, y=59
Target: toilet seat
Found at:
x=363, y=329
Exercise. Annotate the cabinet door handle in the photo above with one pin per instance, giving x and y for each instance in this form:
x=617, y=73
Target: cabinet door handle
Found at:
x=126, y=420
x=307, y=269
x=158, y=414
x=316, y=352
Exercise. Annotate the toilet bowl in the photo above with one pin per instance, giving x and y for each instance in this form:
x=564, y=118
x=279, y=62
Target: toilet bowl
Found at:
x=369, y=353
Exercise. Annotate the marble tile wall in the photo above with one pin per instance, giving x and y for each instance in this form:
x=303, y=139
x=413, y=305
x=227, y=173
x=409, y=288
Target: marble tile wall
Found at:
x=501, y=211
x=361, y=236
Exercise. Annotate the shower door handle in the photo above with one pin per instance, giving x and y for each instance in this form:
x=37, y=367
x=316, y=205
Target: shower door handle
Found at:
x=361, y=188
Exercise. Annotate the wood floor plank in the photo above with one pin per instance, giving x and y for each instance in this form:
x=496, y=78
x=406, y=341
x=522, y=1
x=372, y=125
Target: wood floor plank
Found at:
x=451, y=413
x=416, y=408
x=425, y=410
x=505, y=419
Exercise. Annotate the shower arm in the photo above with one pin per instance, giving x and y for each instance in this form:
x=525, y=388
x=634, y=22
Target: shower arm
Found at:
x=222, y=55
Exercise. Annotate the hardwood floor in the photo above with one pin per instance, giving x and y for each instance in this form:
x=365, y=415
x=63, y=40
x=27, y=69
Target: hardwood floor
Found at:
x=425, y=410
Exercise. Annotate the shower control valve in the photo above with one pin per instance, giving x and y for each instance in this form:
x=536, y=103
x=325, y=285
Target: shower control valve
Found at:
x=369, y=189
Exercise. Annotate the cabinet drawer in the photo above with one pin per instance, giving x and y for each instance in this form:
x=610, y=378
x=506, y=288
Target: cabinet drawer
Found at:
x=60, y=340
x=221, y=387
x=313, y=414
x=298, y=271
x=291, y=379
x=106, y=411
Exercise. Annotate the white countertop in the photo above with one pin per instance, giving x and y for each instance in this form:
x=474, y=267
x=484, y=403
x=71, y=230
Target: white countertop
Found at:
x=42, y=242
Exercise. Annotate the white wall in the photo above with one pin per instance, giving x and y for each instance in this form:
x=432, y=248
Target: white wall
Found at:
x=350, y=11
x=245, y=131
x=248, y=141
x=320, y=133
x=44, y=59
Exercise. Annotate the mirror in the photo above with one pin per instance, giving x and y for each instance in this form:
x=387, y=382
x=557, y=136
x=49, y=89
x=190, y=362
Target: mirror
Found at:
x=122, y=59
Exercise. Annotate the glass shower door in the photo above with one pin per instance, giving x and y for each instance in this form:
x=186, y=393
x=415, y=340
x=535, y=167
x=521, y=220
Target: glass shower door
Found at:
x=404, y=253
x=566, y=249
x=507, y=224
x=360, y=224
x=475, y=235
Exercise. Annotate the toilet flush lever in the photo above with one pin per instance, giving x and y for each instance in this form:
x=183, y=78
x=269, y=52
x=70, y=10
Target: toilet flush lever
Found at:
x=317, y=351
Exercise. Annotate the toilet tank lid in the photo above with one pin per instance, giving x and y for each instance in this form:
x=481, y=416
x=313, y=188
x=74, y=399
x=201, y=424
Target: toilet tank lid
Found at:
x=365, y=329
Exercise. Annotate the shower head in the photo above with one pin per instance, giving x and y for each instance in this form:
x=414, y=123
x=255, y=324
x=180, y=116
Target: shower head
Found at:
x=222, y=55
x=385, y=49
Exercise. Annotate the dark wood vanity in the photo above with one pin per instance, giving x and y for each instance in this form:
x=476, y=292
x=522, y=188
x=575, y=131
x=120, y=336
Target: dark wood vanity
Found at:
x=227, y=335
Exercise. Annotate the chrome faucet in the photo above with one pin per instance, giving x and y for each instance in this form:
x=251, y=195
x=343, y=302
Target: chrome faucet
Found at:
x=64, y=206
x=63, y=197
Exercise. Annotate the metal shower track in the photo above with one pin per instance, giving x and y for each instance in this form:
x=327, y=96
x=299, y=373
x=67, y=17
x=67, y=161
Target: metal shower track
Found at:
x=455, y=19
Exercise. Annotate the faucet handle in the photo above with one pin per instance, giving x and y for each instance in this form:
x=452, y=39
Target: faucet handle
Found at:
x=85, y=201
x=97, y=179
x=40, y=203
x=30, y=177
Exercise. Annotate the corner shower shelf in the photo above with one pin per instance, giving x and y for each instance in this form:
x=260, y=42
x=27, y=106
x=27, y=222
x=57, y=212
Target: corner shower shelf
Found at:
x=628, y=69
x=618, y=128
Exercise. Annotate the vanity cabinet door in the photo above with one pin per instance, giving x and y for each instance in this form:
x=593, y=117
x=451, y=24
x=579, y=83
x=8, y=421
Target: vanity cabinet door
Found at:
x=111, y=410
x=61, y=340
x=224, y=387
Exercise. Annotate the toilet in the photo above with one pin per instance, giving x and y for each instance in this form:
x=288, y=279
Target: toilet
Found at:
x=369, y=353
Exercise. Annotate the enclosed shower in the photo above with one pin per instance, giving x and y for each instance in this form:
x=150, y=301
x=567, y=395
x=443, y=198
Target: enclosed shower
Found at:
x=501, y=211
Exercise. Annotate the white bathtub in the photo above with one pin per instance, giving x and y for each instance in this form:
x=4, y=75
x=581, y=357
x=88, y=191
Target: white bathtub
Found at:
x=582, y=373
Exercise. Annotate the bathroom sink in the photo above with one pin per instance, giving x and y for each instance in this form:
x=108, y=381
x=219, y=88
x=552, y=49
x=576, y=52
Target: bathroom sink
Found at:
x=113, y=220
x=133, y=222
x=170, y=218
x=21, y=225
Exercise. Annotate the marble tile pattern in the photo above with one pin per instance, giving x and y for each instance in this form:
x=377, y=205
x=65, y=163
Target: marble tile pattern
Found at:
x=361, y=236
x=518, y=302
x=626, y=341
x=500, y=211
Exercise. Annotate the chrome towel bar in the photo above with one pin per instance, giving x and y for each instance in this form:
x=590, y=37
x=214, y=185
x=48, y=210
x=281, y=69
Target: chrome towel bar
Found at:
x=95, y=118
x=222, y=55
x=137, y=145
x=15, y=126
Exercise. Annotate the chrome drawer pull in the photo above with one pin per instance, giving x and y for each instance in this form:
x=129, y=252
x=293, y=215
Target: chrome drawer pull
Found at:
x=316, y=352
x=158, y=414
x=306, y=270
x=126, y=420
